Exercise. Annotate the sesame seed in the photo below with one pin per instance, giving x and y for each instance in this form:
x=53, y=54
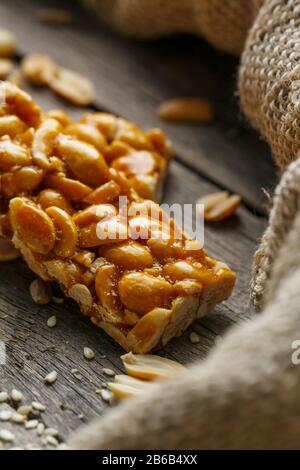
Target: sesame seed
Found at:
x=31, y=424
x=62, y=446
x=88, y=353
x=6, y=436
x=106, y=396
x=24, y=410
x=109, y=372
x=57, y=300
x=16, y=395
x=76, y=373
x=194, y=337
x=3, y=397
x=51, y=432
x=5, y=415
x=16, y=448
x=52, y=441
x=218, y=339
x=51, y=377
x=18, y=418
x=40, y=429
x=36, y=405
x=51, y=322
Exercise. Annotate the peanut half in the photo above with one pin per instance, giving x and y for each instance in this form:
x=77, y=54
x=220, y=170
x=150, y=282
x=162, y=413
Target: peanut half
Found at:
x=126, y=386
x=186, y=109
x=149, y=367
x=219, y=206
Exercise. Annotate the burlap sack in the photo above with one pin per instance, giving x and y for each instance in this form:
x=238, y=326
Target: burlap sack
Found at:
x=245, y=395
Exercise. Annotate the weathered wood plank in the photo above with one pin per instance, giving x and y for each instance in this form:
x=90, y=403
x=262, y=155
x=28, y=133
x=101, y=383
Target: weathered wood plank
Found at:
x=132, y=78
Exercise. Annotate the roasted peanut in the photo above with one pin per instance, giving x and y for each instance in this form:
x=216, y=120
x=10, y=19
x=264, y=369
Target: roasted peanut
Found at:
x=72, y=189
x=12, y=155
x=94, y=213
x=186, y=109
x=65, y=272
x=219, y=206
x=148, y=331
x=105, y=232
x=21, y=104
x=108, y=192
x=88, y=133
x=115, y=150
x=43, y=141
x=132, y=135
x=22, y=181
x=38, y=69
x=11, y=125
x=148, y=367
x=125, y=386
x=73, y=87
x=61, y=116
x=84, y=160
x=188, y=287
x=50, y=197
x=66, y=238
x=81, y=294
x=129, y=255
x=106, y=123
x=135, y=163
x=145, y=185
x=141, y=292
x=159, y=142
x=106, y=288
x=8, y=43
x=33, y=226
x=85, y=258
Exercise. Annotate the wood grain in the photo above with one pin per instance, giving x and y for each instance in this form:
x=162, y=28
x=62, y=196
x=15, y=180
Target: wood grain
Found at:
x=131, y=79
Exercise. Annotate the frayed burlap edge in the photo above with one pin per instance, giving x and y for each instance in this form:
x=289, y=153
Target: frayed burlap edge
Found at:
x=285, y=208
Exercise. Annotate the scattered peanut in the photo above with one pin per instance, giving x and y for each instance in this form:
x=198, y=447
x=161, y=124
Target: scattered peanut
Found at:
x=150, y=367
x=126, y=386
x=219, y=206
x=186, y=109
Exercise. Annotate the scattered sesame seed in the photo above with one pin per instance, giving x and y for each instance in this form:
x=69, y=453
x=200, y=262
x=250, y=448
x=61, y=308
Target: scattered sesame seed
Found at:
x=24, y=410
x=88, y=353
x=76, y=373
x=6, y=436
x=31, y=424
x=51, y=322
x=31, y=446
x=106, y=396
x=109, y=372
x=57, y=300
x=194, y=337
x=18, y=418
x=98, y=391
x=16, y=395
x=218, y=339
x=5, y=415
x=52, y=441
x=36, y=405
x=16, y=448
x=51, y=377
x=51, y=432
x=40, y=429
x=3, y=397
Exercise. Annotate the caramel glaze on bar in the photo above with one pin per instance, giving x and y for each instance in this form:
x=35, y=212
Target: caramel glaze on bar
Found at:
x=60, y=185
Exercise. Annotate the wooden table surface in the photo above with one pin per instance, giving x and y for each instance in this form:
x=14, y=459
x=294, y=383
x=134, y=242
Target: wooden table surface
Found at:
x=131, y=79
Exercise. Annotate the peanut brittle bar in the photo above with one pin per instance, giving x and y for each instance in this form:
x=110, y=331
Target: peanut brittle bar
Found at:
x=77, y=219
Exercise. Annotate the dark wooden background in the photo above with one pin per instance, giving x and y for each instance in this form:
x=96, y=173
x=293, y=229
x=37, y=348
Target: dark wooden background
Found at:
x=131, y=79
